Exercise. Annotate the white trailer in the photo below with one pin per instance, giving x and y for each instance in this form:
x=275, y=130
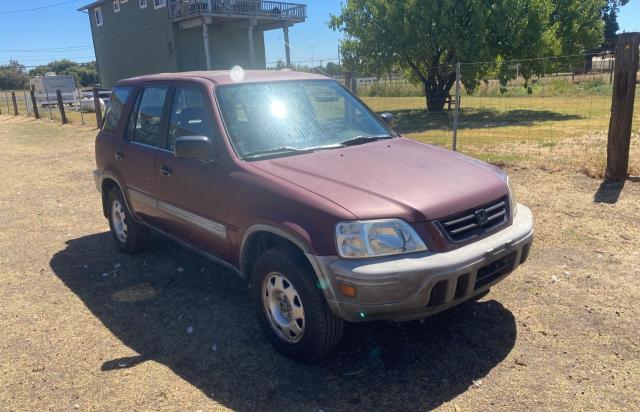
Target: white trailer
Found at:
x=45, y=89
x=87, y=104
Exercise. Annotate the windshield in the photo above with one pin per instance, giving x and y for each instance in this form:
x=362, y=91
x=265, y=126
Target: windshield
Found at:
x=270, y=119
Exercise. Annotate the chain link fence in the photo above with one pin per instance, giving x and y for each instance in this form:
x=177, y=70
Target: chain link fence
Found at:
x=77, y=113
x=556, y=121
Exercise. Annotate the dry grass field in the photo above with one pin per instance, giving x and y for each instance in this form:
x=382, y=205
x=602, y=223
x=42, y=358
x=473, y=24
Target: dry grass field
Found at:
x=566, y=132
x=85, y=327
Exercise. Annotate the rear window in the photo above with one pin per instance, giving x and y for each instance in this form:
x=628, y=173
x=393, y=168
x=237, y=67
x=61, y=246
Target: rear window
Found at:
x=116, y=104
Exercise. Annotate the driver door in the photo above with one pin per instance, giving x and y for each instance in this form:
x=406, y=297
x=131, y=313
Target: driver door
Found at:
x=192, y=193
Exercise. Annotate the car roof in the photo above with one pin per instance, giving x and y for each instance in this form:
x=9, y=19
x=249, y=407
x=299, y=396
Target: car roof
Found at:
x=222, y=77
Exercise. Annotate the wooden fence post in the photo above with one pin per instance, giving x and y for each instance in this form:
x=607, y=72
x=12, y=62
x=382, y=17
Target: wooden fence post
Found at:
x=34, y=103
x=98, y=109
x=15, y=103
x=26, y=103
x=624, y=89
x=63, y=115
x=347, y=79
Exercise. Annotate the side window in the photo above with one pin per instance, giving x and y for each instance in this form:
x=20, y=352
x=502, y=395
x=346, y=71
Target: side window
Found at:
x=190, y=115
x=116, y=104
x=145, y=120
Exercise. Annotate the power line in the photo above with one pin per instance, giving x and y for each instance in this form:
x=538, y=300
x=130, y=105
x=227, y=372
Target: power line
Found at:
x=46, y=60
x=568, y=56
x=51, y=50
x=38, y=8
x=33, y=66
x=301, y=61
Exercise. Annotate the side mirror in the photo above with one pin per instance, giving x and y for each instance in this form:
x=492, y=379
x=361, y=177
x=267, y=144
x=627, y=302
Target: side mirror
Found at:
x=389, y=119
x=194, y=147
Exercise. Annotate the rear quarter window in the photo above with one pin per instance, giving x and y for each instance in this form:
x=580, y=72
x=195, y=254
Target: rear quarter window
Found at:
x=116, y=105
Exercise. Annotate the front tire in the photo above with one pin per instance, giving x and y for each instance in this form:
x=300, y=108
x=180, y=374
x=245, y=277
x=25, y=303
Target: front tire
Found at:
x=130, y=236
x=290, y=307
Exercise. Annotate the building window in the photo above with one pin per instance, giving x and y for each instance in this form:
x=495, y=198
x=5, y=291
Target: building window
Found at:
x=97, y=13
x=143, y=4
x=159, y=3
x=116, y=6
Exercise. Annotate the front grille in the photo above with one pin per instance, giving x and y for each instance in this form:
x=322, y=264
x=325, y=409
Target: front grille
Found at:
x=477, y=221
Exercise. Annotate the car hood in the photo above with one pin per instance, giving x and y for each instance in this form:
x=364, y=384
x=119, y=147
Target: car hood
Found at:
x=393, y=178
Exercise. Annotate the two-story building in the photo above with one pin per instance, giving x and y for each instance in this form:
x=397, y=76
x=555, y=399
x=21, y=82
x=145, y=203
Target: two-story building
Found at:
x=135, y=37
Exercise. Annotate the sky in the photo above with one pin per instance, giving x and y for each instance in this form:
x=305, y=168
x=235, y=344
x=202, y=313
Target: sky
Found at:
x=39, y=36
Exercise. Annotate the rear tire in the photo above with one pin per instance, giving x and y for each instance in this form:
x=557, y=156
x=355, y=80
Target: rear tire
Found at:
x=291, y=309
x=130, y=236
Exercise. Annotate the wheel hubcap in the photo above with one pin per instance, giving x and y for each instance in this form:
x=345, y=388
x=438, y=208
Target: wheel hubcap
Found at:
x=118, y=219
x=283, y=307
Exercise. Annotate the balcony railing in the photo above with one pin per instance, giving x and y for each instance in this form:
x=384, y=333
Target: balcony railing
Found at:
x=272, y=10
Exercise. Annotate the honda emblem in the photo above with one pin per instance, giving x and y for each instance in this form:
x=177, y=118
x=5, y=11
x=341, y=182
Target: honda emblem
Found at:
x=481, y=216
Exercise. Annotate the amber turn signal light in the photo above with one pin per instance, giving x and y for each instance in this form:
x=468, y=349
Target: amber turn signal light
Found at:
x=348, y=290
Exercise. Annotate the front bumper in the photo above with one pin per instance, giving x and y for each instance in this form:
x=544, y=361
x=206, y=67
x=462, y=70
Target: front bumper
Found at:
x=420, y=284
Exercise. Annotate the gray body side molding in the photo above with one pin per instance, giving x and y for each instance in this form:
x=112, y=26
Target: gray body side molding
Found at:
x=221, y=231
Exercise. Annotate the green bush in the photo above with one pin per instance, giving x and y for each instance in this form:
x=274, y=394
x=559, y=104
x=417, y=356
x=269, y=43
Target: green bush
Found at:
x=546, y=86
x=393, y=88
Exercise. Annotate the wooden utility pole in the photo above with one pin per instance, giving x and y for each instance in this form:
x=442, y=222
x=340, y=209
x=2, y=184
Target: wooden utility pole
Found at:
x=624, y=89
x=63, y=115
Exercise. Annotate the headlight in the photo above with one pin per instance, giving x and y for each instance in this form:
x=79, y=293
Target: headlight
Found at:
x=513, y=204
x=360, y=239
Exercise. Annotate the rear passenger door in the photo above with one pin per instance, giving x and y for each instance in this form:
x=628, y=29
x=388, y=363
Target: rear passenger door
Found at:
x=144, y=138
x=191, y=192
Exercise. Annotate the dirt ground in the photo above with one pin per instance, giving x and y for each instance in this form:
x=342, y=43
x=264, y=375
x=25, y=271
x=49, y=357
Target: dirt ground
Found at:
x=84, y=327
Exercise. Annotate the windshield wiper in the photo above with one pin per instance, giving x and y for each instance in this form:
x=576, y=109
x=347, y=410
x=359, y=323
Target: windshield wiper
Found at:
x=279, y=150
x=364, y=139
x=298, y=150
x=291, y=149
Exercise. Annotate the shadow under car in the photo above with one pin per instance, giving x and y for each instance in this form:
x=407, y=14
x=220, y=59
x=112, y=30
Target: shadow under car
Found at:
x=172, y=306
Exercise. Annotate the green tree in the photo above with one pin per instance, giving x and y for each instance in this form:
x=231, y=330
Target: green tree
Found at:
x=86, y=74
x=610, y=18
x=13, y=76
x=332, y=69
x=426, y=38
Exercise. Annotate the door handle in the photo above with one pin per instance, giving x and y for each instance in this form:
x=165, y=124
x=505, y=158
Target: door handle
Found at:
x=166, y=171
x=119, y=156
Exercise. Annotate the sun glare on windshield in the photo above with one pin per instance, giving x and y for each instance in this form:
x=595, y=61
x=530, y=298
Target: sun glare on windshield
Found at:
x=278, y=109
x=264, y=117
